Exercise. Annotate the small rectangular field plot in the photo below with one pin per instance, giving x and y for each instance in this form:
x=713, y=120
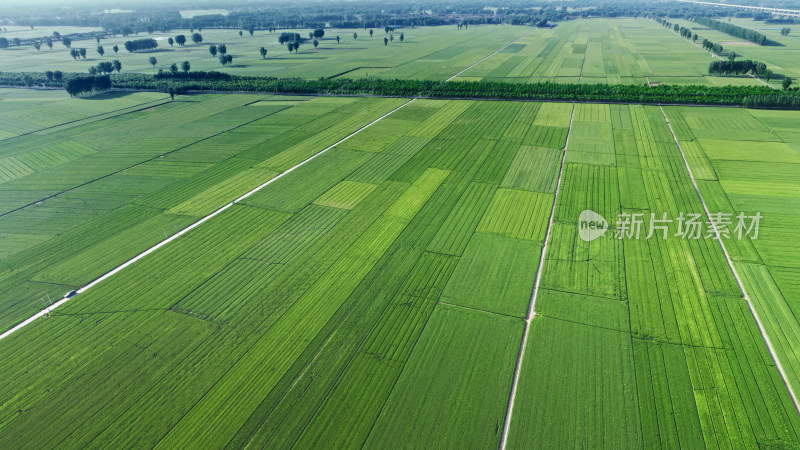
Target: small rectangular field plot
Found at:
x=534, y=169
x=517, y=214
x=451, y=367
x=495, y=274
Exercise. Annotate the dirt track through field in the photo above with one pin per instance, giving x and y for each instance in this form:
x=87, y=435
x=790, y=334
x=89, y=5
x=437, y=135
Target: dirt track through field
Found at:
x=490, y=55
x=531, y=313
x=733, y=270
x=114, y=271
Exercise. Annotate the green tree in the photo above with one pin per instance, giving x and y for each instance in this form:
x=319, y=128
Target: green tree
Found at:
x=180, y=40
x=391, y=37
x=49, y=44
x=225, y=59
x=49, y=75
x=786, y=83
x=319, y=33
x=57, y=75
x=213, y=50
x=222, y=48
x=3, y=42
x=370, y=32
x=337, y=38
x=173, y=68
x=785, y=31
x=240, y=33
x=401, y=37
x=316, y=43
x=355, y=36
x=82, y=52
x=170, y=41
x=251, y=30
x=290, y=46
x=150, y=29
x=197, y=38
x=694, y=37
x=93, y=70
x=100, y=50
x=185, y=66
x=97, y=38
x=385, y=41
x=117, y=65
x=263, y=52
x=66, y=41
x=153, y=61
x=37, y=45
x=115, y=48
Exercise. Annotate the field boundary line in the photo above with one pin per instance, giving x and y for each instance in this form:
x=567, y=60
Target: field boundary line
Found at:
x=753, y=311
x=531, y=314
x=487, y=57
x=194, y=225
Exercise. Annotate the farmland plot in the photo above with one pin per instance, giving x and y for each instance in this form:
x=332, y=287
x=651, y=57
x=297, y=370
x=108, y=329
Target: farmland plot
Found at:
x=613, y=51
x=434, y=53
x=285, y=307
x=663, y=349
x=757, y=173
x=118, y=194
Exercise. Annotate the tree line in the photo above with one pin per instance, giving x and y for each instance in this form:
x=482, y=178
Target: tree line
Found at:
x=214, y=81
x=734, y=30
x=174, y=81
x=712, y=47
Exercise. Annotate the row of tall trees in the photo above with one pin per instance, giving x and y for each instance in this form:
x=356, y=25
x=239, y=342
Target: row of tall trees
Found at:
x=712, y=47
x=751, y=96
x=734, y=30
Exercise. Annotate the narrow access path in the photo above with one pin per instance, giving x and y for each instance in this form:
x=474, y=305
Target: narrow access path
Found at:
x=219, y=211
x=531, y=313
x=733, y=269
x=492, y=54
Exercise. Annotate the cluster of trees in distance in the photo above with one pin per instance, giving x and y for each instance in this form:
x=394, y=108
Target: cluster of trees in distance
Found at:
x=740, y=67
x=140, y=44
x=734, y=30
x=80, y=85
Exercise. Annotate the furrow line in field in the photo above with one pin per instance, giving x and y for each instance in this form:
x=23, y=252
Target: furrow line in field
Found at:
x=532, y=304
x=194, y=225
